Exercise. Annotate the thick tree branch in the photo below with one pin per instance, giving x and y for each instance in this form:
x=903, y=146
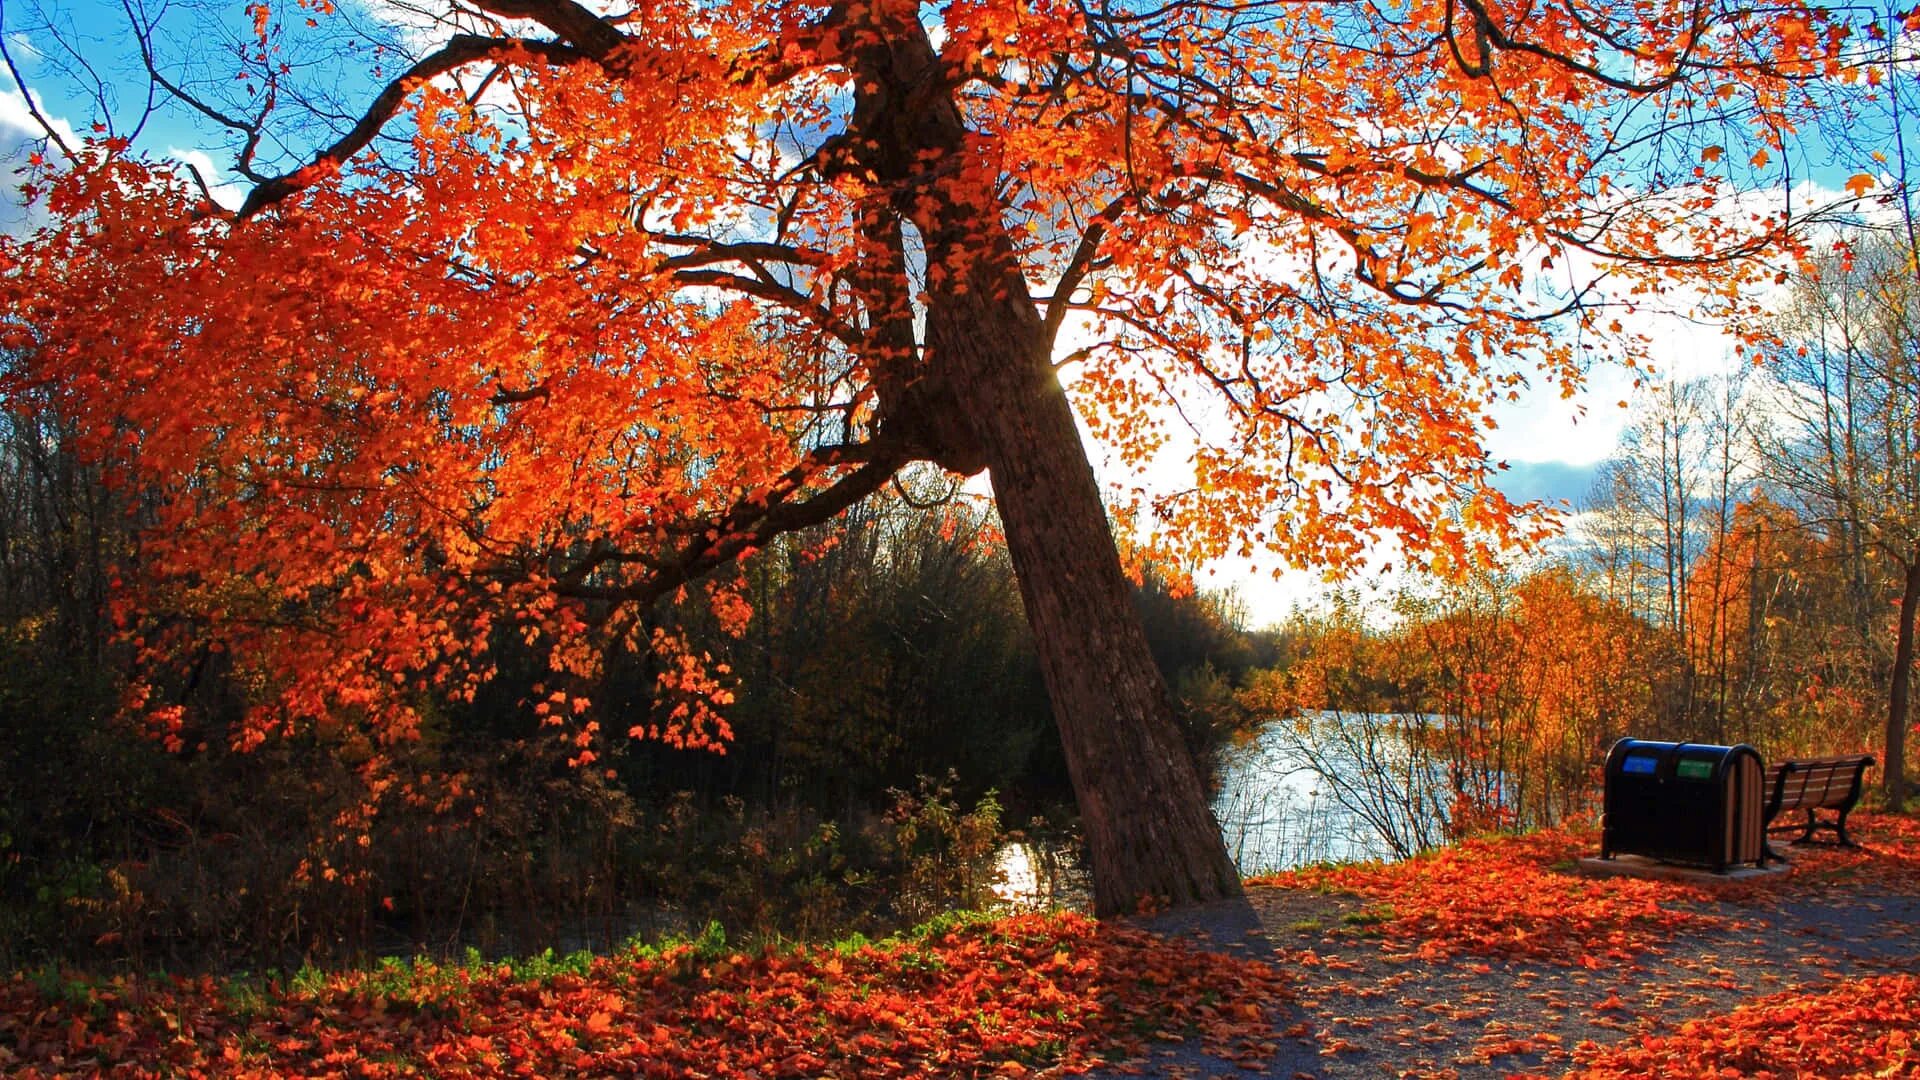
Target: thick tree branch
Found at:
x=773, y=292
x=1078, y=266
x=750, y=524
x=713, y=252
x=464, y=49
x=589, y=33
x=1487, y=31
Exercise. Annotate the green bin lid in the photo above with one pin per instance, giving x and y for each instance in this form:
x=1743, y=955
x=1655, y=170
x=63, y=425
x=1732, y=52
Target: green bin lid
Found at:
x=1694, y=769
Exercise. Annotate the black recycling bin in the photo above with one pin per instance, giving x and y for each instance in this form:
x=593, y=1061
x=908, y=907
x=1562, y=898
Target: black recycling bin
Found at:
x=1684, y=803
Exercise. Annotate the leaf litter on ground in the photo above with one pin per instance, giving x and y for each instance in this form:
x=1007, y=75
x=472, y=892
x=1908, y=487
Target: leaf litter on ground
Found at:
x=966, y=998
x=1488, y=958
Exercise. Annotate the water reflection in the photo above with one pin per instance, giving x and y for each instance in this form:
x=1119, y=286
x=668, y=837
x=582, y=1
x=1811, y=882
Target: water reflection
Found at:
x=1323, y=787
x=1016, y=877
x=1034, y=876
x=1328, y=787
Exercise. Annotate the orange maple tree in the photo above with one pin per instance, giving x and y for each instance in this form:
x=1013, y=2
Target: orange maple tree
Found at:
x=591, y=301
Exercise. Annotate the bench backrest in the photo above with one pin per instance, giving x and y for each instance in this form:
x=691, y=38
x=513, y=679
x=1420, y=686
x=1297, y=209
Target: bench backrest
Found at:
x=1816, y=782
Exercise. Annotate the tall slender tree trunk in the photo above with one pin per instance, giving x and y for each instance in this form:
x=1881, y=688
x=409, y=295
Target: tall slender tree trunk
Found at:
x=1149, y=830
x=1894, y=768
x=983, y=392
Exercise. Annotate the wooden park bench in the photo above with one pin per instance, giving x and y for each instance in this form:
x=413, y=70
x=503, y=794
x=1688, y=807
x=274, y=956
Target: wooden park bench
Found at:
x=1829, y=783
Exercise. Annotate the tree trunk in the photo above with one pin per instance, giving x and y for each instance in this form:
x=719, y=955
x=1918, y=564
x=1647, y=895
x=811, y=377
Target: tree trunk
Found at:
x=983, y=393
x=1149, y=829
x=1893, y=769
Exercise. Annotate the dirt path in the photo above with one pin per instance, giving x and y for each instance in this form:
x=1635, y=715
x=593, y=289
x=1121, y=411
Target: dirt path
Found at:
x=1476, y=967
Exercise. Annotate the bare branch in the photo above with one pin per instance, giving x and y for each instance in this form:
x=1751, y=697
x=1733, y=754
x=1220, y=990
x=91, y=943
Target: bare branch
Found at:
x=33, y=109
x=251, y=128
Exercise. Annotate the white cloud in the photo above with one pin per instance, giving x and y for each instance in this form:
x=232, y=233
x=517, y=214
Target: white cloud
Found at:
x=23, y=50
x=21, y=134
x=17, y=125
x=419, y=27
x=1685, y=341
x=227, y=193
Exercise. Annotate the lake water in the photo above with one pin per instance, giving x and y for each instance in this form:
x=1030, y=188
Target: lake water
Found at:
x=1326, y=787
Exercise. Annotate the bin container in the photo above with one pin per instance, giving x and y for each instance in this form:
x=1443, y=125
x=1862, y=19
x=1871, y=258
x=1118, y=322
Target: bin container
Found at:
x=1687, y=803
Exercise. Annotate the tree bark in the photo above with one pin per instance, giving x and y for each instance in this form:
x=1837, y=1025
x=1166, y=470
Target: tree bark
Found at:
x=983, y=392
x=1149, y=829
x=1893, y=769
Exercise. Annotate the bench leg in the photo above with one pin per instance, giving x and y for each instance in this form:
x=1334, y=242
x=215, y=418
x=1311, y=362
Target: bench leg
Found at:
x=1841, y=828
x=1807, y=836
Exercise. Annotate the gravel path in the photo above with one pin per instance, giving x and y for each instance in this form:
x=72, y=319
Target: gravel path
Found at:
x=1369, y=1005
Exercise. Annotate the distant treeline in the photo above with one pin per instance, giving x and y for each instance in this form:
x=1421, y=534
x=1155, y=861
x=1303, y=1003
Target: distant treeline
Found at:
x=1746, y=569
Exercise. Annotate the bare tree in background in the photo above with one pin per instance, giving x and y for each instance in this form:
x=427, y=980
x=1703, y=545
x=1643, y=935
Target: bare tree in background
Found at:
x=1848, y=402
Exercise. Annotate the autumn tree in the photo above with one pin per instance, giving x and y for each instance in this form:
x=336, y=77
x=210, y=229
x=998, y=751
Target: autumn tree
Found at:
x=1846, y=450
x=1659, y=481
x=1844, y=351
x=1730, y=472
x=1486, y=703
x=1784, y=646
x=581, y=303
x=1525, y=680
